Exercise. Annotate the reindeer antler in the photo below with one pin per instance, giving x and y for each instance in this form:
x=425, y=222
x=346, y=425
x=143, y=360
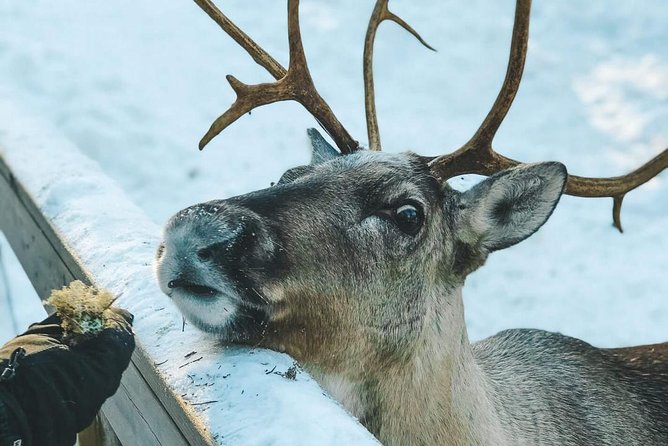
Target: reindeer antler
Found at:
x=295, y=84
x=478, y=156
x=380, y=13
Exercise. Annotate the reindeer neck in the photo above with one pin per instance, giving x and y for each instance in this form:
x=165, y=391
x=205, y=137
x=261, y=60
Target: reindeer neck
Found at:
x=440, y=397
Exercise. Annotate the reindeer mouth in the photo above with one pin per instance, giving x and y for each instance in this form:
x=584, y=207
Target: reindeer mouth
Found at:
x=218, y=311
x=192, y=288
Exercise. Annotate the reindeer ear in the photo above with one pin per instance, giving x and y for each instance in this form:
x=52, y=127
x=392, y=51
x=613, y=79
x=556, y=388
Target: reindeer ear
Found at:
x=511, y=205
x=321, y=150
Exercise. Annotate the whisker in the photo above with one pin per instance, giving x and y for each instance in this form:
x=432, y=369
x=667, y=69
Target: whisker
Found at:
x=264, y=299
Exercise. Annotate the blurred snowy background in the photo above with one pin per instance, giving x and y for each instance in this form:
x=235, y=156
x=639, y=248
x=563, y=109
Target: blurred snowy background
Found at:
x=135, y=84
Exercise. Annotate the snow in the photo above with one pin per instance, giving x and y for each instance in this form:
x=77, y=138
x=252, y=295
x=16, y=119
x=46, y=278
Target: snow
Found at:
x=134, y=87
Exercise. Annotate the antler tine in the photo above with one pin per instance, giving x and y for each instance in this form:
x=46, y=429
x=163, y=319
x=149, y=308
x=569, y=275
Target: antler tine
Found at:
x=511, y=83
x=294, y=84
x=260, y=56
x=617, y=187
x=477, y=155
x=380, y=13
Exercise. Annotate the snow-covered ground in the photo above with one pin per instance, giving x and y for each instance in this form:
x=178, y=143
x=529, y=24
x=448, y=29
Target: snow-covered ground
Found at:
x=134, y=86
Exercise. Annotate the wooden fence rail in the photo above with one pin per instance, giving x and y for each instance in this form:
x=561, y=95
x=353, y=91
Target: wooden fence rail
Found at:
x=66, y=220
x=142, y=412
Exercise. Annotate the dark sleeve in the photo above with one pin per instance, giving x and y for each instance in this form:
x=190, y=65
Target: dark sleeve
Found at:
x=60, y=388
x=14, y=427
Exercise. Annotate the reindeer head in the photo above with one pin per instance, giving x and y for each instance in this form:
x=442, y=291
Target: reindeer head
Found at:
x=356, y=251
x=347, y=251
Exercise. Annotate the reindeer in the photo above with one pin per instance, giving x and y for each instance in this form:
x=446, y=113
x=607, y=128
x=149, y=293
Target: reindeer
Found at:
x=355, y=265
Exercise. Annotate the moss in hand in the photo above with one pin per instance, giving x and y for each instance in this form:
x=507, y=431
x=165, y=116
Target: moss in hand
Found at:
x=84, y=310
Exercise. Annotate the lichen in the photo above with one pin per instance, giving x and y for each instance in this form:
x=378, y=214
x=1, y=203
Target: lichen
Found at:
x=83, y=310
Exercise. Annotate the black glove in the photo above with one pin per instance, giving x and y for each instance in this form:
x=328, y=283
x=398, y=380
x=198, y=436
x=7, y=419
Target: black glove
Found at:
x=52, y=390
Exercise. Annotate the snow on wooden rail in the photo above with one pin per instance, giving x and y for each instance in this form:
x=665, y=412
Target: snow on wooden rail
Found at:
x=66, y=220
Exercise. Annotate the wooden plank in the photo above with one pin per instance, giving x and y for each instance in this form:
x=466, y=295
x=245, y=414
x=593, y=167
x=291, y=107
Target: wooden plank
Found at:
x=186, y=420
x=99, y=433
x=145, y=400
x=30, y=245
x=128, y=426
x=33, y=243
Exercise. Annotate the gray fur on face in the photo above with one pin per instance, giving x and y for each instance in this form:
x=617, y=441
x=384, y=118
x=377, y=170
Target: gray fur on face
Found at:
x=354, y=265
x=336, y=247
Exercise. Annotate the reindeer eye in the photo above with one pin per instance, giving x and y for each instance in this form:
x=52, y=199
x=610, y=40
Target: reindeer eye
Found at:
x=408, y=218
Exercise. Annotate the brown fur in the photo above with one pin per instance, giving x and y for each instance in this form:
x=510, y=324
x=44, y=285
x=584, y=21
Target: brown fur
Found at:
x=651, y=358
x=320, y=266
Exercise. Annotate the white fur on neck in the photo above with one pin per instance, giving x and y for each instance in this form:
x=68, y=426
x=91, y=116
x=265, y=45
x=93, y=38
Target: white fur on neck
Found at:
x=443, y=365
x=346, y=392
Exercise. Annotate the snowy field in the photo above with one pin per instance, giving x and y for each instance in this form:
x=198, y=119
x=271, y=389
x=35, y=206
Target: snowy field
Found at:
x=135, y=87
